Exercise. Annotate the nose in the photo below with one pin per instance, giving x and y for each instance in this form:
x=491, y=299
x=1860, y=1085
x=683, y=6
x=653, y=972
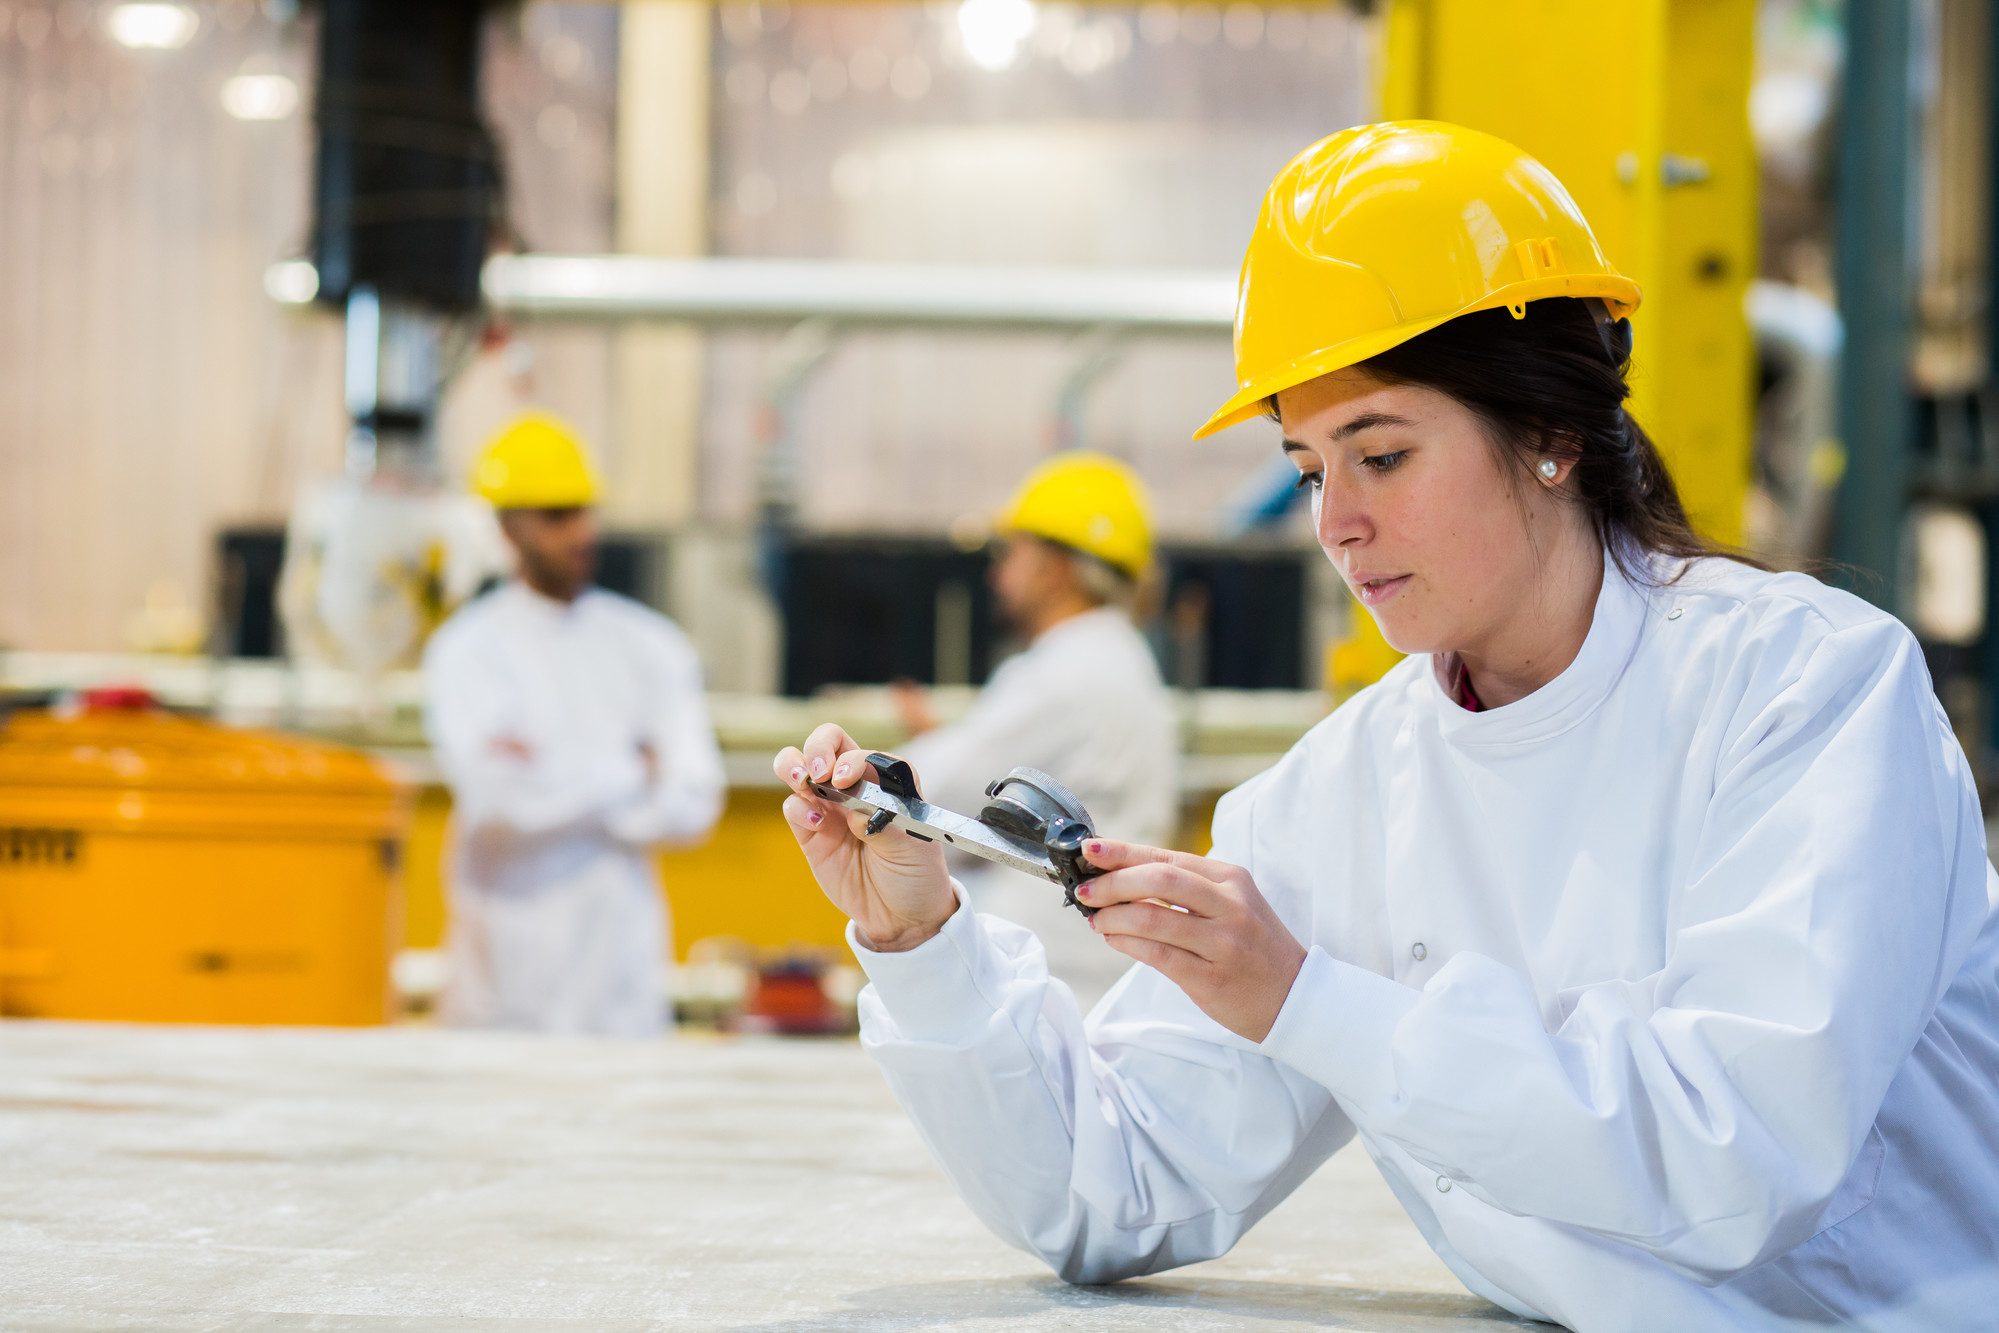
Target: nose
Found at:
x=1338, y=517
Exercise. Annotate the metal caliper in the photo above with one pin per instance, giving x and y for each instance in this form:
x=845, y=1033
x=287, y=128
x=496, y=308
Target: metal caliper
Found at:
x=1031, y=822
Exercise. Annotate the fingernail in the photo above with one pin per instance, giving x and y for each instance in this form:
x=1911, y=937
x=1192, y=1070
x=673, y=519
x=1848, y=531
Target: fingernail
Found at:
x=797, y=775
x=818, y=768
x=1093, y=848
x=1082, y=890
x=840, y=772
x=814, y=818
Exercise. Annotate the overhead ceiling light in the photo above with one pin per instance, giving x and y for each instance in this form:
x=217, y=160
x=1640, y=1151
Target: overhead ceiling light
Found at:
x=291, y=281
x=260, y=97
x=993, y=30
x=158, y=27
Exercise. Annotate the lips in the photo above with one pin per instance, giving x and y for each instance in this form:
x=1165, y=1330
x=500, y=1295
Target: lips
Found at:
x=1373, y=592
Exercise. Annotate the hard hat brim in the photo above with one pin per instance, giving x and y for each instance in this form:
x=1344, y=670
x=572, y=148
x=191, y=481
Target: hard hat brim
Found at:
x=541, y=502
x=1621, y=294
x=1131, y=569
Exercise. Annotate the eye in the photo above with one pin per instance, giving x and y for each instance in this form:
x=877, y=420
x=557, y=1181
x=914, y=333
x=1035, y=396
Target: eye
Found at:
x=1384, y=462
x=1310, y=481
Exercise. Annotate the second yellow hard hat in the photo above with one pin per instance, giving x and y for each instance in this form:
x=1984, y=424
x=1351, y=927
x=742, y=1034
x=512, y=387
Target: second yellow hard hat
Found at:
x=1089, y=502
x=537, y=462
x=1383, y=232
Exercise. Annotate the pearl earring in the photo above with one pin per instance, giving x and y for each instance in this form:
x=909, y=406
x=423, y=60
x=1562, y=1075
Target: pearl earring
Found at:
x=1549, y=467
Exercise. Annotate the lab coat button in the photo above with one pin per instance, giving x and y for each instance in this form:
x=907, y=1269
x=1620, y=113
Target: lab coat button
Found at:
x=1443, y=1185
x=1676, y=613
x=1418, y=952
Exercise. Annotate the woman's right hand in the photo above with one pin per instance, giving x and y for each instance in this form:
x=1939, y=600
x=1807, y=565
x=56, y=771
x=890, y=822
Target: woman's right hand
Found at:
x=895, y=887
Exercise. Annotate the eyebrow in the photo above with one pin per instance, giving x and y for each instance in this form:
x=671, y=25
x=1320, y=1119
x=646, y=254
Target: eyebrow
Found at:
x=1365, y=421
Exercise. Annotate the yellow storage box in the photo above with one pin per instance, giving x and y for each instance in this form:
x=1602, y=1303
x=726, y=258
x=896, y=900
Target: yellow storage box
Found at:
x=159, y=868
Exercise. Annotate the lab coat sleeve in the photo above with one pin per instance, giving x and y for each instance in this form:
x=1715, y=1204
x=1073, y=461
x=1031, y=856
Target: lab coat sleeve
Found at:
x=682, y=804
x=1709, y=1112
x=467, y=712
x=1152, y=1139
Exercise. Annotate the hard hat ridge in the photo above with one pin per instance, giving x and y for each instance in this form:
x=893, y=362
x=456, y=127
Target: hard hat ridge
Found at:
x=1089, y=502
x=1382, y=232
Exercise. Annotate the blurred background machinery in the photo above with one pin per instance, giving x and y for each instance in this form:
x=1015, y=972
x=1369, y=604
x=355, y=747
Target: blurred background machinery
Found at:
x=820, y=281
x=1916, y=234
x=406, y=194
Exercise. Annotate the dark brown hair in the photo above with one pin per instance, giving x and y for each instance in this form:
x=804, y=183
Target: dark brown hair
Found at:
x=1553, y=385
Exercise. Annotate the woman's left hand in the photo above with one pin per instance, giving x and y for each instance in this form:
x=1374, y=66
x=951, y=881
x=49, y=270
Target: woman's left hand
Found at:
x=1226, y=949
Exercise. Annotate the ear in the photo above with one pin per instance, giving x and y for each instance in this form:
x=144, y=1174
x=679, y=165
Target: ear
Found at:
x=1552, y=471
x=1063, y=567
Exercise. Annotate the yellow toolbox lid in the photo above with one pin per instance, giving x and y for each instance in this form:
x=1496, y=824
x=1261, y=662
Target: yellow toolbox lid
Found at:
x=131, y=763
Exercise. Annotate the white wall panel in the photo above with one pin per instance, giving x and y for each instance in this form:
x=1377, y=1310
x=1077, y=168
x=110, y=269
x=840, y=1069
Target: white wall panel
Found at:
x=1120, y=136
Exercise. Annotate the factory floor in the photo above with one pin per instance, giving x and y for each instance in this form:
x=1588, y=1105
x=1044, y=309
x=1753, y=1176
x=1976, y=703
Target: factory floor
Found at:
x=220, y=1179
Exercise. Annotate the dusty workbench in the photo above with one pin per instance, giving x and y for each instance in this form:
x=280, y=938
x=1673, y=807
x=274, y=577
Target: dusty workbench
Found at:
x=398, y=1178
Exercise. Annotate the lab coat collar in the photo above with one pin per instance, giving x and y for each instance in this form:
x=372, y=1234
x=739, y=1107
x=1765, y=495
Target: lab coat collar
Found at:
x=544, y=609
x=1081, y=625
x=1616, y=626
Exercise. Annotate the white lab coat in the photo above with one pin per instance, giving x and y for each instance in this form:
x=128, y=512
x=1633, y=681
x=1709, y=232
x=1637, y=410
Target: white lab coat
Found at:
x=557, y=921
x=1666, y=998
x=1084, y=704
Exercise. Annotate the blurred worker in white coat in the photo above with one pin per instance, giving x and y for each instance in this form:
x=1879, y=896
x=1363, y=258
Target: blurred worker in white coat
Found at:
x=571, y=725
x=1083, y=702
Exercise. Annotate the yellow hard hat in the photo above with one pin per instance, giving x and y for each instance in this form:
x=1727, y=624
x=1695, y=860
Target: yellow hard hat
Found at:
x=1090, y=502
x=1383, y=232
x=535, y=463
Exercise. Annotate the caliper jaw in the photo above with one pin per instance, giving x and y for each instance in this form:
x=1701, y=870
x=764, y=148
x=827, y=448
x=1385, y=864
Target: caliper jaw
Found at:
x=1029, y=805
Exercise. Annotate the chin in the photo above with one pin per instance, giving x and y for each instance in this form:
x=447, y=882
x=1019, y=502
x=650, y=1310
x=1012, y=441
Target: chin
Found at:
x=1408, y=635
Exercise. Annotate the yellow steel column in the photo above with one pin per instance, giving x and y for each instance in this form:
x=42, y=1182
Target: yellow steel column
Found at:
x=1402, y=61
x=1637, y=171
x=1642, y=109
x=662, y=209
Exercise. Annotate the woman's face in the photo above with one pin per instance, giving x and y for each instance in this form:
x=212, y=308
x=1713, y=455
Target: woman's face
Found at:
x=1413, y=507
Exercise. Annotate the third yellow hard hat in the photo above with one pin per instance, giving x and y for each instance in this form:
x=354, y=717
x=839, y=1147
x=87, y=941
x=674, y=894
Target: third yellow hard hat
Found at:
x=537, y=462
x=1089, y=502
x=1383, y=232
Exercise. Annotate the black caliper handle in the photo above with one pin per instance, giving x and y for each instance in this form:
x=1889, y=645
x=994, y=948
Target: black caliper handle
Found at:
x=896, y=778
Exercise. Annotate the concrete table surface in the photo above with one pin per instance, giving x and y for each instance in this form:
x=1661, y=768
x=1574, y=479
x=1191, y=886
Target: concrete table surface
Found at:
x=404, y=1178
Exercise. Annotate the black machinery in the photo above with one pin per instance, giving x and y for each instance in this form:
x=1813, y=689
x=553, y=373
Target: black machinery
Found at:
x=406, y=193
